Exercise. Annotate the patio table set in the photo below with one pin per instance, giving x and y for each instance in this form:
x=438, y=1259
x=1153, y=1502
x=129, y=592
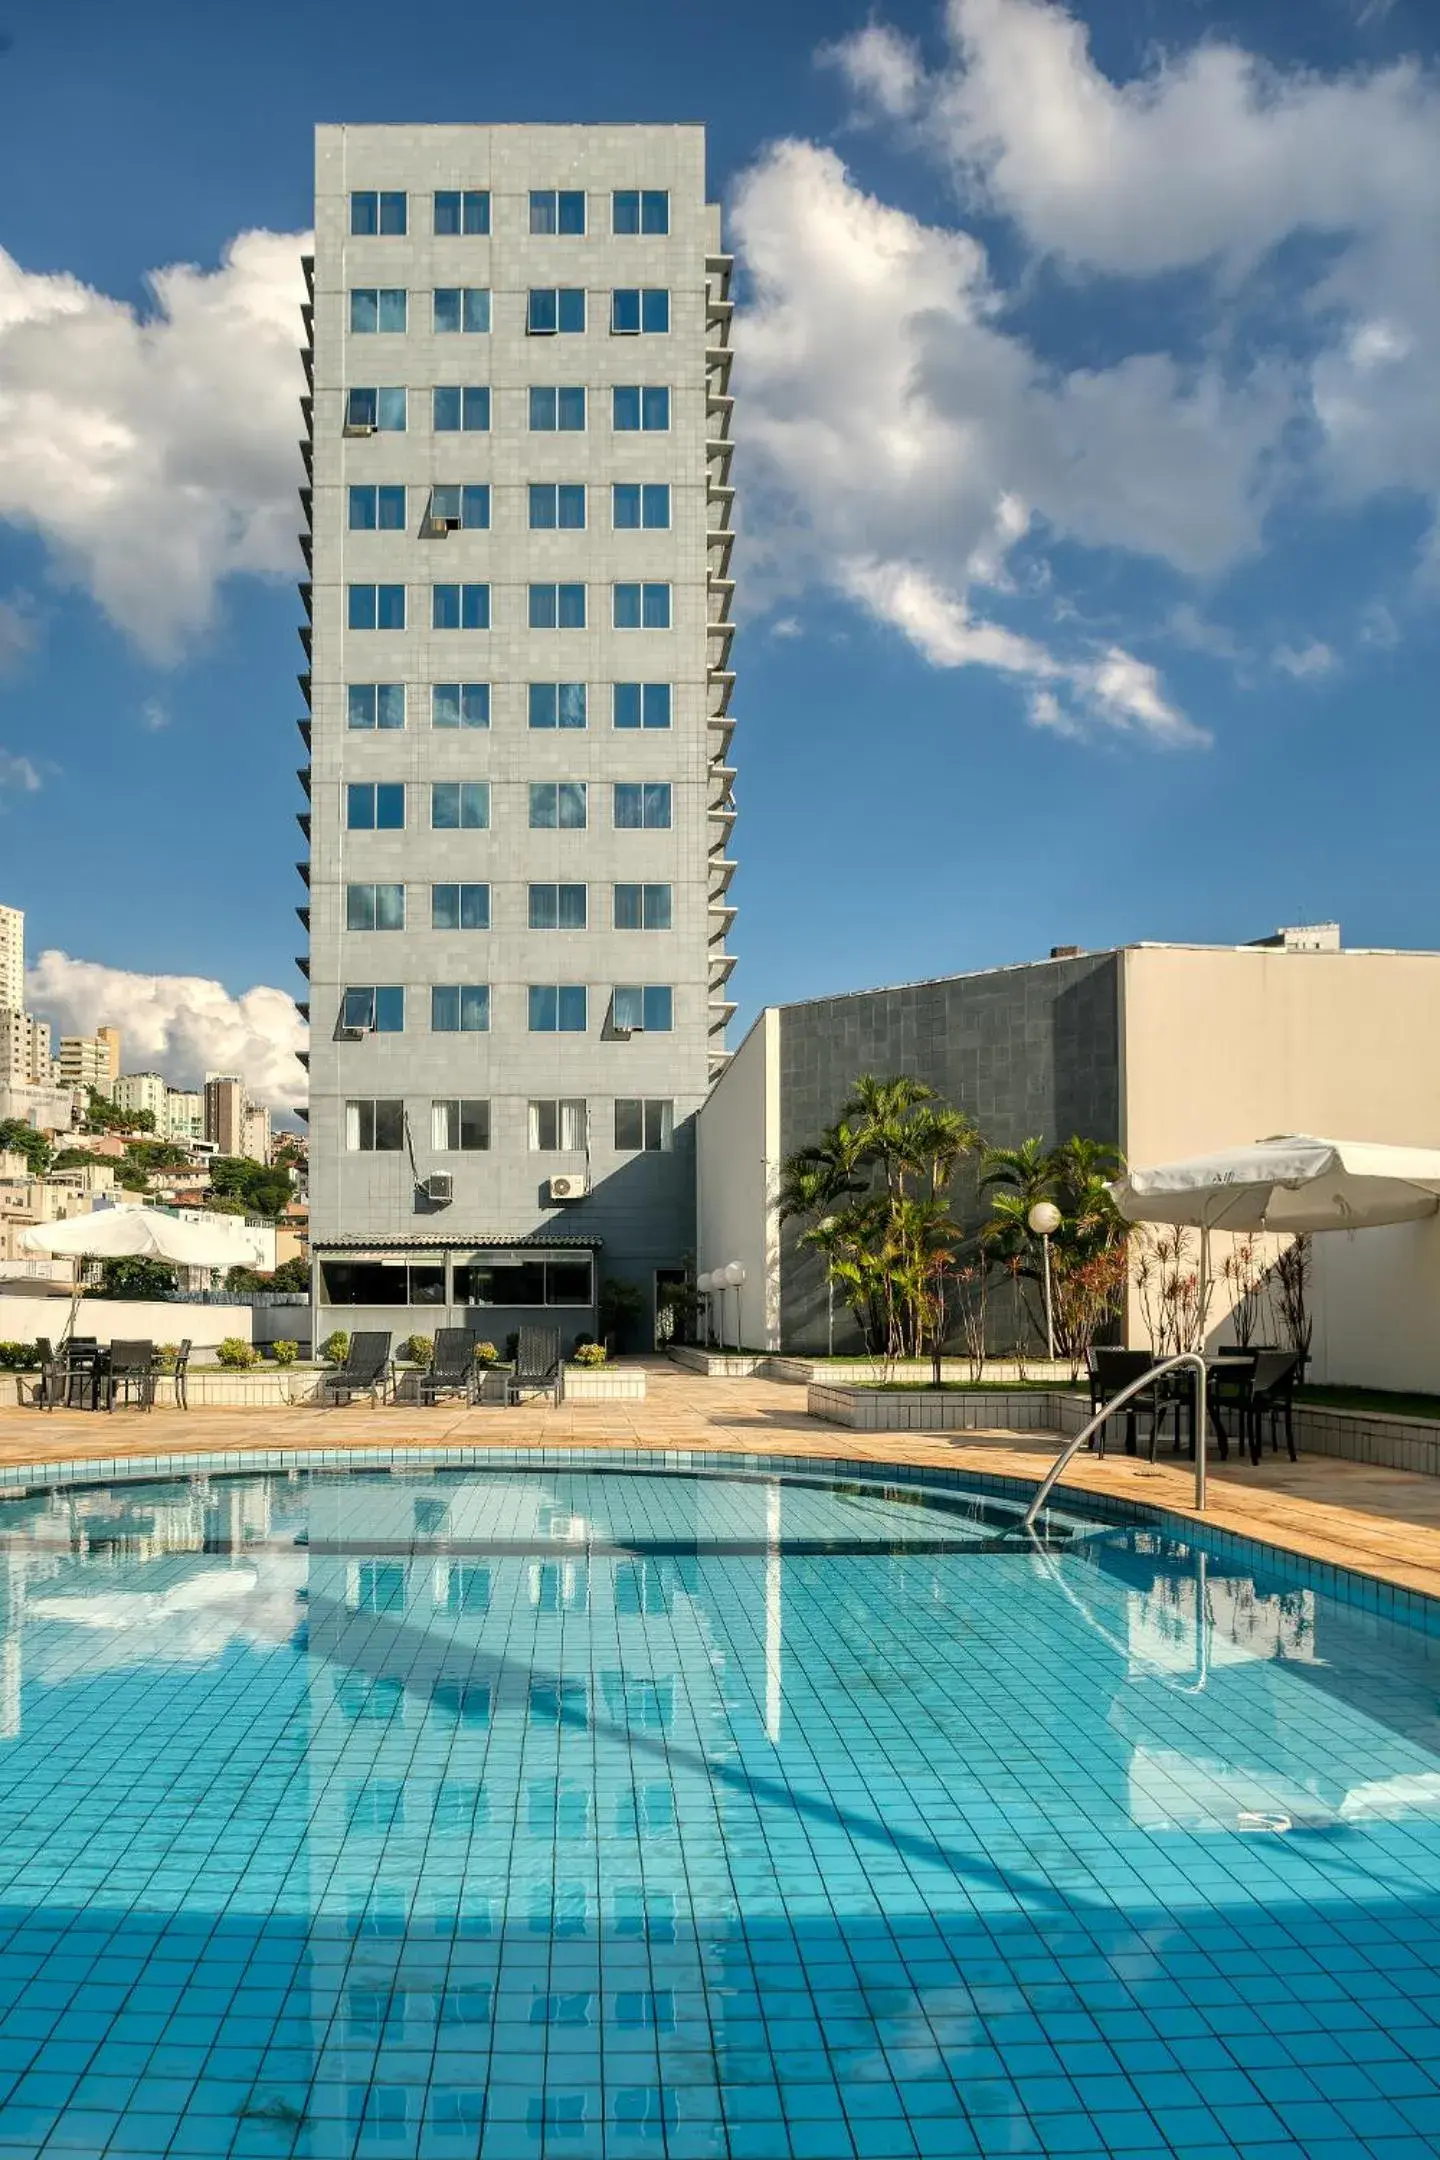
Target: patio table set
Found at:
x=1248, y=1391
x=85, y=1374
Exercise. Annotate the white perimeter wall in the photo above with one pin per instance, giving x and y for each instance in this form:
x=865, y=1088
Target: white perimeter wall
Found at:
x=737, y=1167
x=23, y=1319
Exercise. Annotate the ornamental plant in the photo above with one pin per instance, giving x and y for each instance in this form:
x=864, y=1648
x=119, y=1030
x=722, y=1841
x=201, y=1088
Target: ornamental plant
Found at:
x=486, y=1354
x=418, y=1350
x=236, y=1355
x=336, y=1348
x=591, y=1354
x=285, y=1353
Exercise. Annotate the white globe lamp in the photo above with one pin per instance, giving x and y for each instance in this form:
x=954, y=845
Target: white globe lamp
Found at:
x=1045, y=1219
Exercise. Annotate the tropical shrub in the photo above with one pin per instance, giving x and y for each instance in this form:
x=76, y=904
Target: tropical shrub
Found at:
x=17, y=1356
x=236, y=1355
x=590, y=1354
x=486, y=1354
x=167, y=1356
x=418, y=1350
x=284, y=1353
x=336, y=1348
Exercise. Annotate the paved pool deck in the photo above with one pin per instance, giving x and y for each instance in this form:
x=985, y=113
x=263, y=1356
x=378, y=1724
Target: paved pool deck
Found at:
x=1378, y=1522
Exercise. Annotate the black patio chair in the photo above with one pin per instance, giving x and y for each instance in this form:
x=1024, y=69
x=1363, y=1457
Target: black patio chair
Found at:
x=1111, y=1371
x=452, y=1367
x=366, y=1370
x=1229, y=1385
x=48, y=1386
x=132, y=1367
x=538, y=1365
x=1272, y=1398
x=181, y=1375
x=83, y=1372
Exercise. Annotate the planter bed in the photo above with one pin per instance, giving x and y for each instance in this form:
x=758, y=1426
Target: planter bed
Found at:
x=961, y=1409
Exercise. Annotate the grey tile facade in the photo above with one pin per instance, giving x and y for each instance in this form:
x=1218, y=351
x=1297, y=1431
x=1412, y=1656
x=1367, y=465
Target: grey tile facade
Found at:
x=490, y=559
x=1024, y=1050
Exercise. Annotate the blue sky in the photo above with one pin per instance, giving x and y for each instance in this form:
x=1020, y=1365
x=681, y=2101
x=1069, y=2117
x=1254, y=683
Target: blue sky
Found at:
x=1091, y=409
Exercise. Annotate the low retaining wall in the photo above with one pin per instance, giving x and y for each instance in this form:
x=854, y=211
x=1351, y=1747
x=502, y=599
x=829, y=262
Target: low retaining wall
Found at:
x=853, y=1372
x=924, y=1410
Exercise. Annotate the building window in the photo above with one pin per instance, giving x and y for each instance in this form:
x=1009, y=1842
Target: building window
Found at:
x=461, y=509
x=377, y=1008
x=557, y=704
x=643, y=1126
x=642, y=805
x=461, y=308
x=557, y=507
x=375, y=907
x=557, y=210
x=528, y=1282
x=557, y=607
x=375, y=806
x=640, y=408
x=634, y=506
x=555, y=310
x=644, y=1008
x=376, y=1127
x=377, y=607
x=557, y=1128
x=460, y=607
x=460, y=705
x=640, y=705
x=639, y=308
x=377, y=509
x=459, y=805
x=557, y=1008
x=376, y=410
x=642, y=607
x=460, y=409
x=458, y=211
x=557, y=805
x=375, y=308
x=382, y=213
x=640, y=210
x=642, y=907
x=460, y=1008
x=460, y=907
x=557, y=410
x=375, y=704
x=460, y=1127
x=557, y=907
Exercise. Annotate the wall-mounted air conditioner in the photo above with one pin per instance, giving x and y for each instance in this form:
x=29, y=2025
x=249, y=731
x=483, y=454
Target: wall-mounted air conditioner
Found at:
x=572, y=1187
x=439, y=1186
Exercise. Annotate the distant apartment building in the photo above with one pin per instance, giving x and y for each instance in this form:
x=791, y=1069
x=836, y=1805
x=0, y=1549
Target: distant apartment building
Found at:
x=519, y=494
x=24, y=1049
x=86, y=1062
x=184, y=1115
x=255, y=1132
x=110, y=1037
x=224, y=1097
x=12, y=959
x=139, y=1092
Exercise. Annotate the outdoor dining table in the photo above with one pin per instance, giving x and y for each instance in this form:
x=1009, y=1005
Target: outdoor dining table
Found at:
x=90, y=1375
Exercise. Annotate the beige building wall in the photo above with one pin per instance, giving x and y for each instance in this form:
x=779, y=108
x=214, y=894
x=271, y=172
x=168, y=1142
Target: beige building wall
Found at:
x=1221, y=1045
x=738, y=1171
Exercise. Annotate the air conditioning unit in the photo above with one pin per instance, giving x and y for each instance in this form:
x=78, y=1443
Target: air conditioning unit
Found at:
x=359, y=427
x=569, y=1188
x=351, y=1034
x=440, y=1185
x=436, y=528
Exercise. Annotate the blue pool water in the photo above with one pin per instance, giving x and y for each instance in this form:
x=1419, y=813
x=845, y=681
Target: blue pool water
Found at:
x=533, y=1812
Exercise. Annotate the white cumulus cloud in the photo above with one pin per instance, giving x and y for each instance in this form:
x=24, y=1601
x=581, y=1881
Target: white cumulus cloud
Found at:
x=181, y=1025
x=906, y=443
x=17, y=774
x=155, y=452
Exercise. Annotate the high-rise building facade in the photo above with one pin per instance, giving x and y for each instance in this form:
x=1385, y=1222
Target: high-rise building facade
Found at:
x=519, y=504
x=140, y=1092
x=225, y=1112
x=85, y=1062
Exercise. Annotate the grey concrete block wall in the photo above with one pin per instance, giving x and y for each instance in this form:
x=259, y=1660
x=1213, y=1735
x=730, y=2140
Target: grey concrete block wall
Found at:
x=1024, y=1050
x=642, y=1206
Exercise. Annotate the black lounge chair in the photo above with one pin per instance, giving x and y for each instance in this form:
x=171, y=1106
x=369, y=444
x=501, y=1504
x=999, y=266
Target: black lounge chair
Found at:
x=366, y=1370
x=181, y=1375
x=132, y=1365
x=452, y=1368
x=538, y=1365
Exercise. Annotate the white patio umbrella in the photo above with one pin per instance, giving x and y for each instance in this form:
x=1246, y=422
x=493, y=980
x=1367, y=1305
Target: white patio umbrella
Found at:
x=138, y=1233
x=1292, y=1183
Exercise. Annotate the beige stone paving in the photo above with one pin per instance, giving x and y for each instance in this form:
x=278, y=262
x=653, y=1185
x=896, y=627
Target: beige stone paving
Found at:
x=1380, y=1522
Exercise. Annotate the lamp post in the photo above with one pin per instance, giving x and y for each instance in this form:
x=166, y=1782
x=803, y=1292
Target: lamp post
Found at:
x=704, y=1284
x=829, y=1224
x=1045, y=1219
x=733, y=1276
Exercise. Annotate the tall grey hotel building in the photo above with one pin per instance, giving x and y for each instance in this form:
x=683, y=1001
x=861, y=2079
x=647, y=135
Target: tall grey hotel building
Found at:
x=518, y=495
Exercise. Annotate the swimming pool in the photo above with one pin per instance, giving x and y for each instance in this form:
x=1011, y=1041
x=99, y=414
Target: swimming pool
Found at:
x=545, y=1811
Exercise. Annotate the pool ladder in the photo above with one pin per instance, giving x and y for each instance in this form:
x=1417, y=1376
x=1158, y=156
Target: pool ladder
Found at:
x=1057, y=1469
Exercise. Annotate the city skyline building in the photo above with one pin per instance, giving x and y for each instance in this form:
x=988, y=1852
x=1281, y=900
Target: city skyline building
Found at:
x=518, y=496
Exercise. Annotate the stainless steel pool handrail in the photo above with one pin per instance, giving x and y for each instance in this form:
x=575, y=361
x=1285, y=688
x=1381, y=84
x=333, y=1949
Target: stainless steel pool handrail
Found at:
x=1107, y=1410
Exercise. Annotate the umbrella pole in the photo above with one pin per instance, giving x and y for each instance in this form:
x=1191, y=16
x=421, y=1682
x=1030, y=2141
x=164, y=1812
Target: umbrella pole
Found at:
x=1204, y=1295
